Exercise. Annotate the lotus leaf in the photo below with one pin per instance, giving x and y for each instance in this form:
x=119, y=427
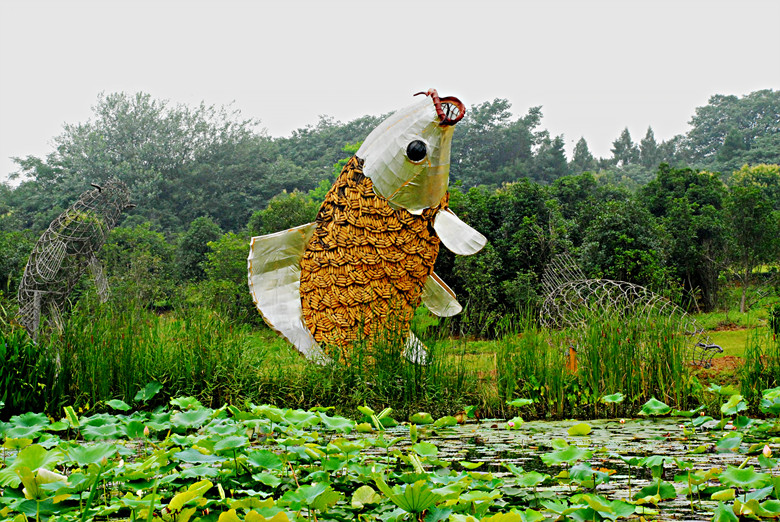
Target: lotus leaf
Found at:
x=29, y=419
x=724, y=494
x=614, y=398
x=339, y=424
x=191, y=419
x=14, y=444
x=267, y=478
x=365, y=495
x=744, y=478
x=194, y=456
x=31, y=457
x=231, y=443
x=86, y=455
x=531, y=479
x=264, y=459
x=24, y=432
x=579, y=430
x=657, y=491
x=118, y=404
x=421, y=418
x=106, y=431
x=514, y=423
x=412, y=498
x=425, y=449
x=654, y=407
x=148, y=391
x=733, y=405
x=567, y=455
x=730, y=442
x=723, y=390
x=447, y=420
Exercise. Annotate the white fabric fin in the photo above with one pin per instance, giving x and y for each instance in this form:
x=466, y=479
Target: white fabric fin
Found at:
x=438, y=297
x=415, y=350
x=274, y=265
x=456, y=235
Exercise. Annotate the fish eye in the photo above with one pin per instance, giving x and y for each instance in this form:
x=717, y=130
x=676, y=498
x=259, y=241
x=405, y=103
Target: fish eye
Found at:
x=416, y=151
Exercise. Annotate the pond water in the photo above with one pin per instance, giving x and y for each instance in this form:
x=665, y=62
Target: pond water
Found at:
x=490, y=442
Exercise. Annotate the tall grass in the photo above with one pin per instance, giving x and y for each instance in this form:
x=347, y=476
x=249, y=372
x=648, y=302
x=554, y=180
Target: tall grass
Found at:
x=109, y=352
x=374, y=372
x=762, y=365
x=568, y=372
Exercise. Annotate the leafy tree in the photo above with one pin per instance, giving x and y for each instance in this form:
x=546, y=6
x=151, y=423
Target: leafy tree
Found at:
x=625, y=243
x=624, y=151
x=15, y=250
x=764, y=177
x=648, y=150
x=315, y=148
x=749, y=119
x=582, y=160
x=732, y=148
x=579, y=199
x=524, y=227
x=689, y=203
x=177, y=161
x=754, y=236
x=550, y=161
x=140, y=264
x=225, y=287
x=489, y=148
x=283, y=211
x=193, y=247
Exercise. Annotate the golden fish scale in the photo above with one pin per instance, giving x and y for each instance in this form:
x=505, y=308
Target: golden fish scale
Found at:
x=364, y=262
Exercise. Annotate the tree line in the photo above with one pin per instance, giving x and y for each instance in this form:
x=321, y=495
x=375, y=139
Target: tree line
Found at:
x=683, y=216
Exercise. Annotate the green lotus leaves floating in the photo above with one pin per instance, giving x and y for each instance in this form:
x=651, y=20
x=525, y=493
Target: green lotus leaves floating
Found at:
x=269, y=463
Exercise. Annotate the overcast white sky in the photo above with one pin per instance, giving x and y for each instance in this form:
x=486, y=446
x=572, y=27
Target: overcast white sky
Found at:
x=595, y=66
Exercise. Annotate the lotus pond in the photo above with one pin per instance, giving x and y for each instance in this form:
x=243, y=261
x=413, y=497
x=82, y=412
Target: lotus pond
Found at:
x=188, y=462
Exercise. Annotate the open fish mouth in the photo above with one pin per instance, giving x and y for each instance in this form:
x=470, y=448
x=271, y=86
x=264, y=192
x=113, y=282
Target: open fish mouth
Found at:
x=449, y=109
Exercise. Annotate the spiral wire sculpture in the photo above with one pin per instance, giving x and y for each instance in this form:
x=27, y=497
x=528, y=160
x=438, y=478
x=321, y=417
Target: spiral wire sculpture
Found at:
x=572, y=301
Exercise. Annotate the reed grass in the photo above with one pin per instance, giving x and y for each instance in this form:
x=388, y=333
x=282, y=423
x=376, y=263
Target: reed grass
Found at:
x=112, y=351
x=567, y=372
x=761, y=369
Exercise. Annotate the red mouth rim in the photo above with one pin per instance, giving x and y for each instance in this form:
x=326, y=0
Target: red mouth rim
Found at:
x=449, y=109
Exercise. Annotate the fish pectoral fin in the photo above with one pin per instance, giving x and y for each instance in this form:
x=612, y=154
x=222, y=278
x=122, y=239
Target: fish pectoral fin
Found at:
x=274, y=266
x=456, y=235
x=438, y=297
x=415, y=351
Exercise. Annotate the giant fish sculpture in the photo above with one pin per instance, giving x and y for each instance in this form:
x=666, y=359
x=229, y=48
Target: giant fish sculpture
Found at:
x=367, y=261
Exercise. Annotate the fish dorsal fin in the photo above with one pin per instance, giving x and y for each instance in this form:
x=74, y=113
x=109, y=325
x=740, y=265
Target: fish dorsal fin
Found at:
x=456, y=235
x=438, y=297
x=274, y=265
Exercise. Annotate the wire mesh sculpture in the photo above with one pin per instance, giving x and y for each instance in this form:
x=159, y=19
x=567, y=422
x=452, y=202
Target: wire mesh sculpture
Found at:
x=366, y=263
x=572, y=300
x=66, y=250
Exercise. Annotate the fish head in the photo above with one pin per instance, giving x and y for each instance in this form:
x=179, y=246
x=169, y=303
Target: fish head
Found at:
x=407, y=157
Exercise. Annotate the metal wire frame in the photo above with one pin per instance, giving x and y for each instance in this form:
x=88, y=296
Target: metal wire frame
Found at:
x=66, y=250
x=572, y=301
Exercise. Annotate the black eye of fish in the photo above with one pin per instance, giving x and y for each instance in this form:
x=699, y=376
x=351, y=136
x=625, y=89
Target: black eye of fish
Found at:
x=416, y=150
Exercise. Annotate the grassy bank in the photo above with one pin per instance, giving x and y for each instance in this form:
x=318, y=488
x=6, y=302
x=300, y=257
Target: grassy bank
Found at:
x=106, y=352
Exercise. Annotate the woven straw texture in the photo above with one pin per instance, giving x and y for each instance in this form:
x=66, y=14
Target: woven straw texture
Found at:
x=365, y=266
